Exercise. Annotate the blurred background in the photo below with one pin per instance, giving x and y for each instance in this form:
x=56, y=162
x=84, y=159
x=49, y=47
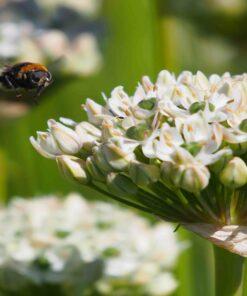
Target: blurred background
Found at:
x=91, y=46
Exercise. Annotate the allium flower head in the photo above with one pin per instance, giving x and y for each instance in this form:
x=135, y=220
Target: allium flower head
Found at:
x=175, y=148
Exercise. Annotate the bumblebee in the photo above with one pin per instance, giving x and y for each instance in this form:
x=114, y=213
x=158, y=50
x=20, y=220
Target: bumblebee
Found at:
x=27, y=76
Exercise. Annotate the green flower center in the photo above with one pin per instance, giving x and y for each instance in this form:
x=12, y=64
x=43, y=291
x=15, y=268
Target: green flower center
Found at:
x=147, y=104
x=243, y=126
x=197, y=106
x=192, y=147
x=111, y=252
x=139, y=132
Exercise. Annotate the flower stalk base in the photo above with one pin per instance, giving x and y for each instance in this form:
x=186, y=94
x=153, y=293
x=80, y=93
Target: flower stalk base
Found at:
x=228, y=273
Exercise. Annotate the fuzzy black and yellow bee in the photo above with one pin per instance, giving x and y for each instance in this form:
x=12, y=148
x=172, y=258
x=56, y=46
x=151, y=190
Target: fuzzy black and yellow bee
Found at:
x=27, y=76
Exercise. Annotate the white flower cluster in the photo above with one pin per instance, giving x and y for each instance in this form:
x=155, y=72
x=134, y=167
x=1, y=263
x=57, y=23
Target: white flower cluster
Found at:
x=34, y=37
x=43, y=230
x=179, y=130
x=89, y=8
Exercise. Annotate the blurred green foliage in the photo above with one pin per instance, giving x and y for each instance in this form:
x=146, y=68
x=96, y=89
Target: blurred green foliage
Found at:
x=209, y=35
x=142, y=37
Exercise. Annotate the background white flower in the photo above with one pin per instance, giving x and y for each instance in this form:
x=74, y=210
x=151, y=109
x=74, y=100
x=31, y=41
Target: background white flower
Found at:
x=43, y=231
x=34, y=37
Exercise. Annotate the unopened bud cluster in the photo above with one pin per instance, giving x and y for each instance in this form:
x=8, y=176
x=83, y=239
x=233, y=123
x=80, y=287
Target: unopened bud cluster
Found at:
x=176, y=148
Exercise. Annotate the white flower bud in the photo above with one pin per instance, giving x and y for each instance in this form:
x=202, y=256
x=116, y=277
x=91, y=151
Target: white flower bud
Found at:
x=95, y=112
x=165, y=78
x=219, y=165
x=85, y=128
x=147, y=84
x=120, y=185
x=184, y=171
x=201, y=81
x=192, y=178
x=143, y=174
x=46, y=145
x=119, y=153
x=186, y=77
x=73, y=168
x=235, y=173
x=88, y=134
x=119, y=103
x=67, y=139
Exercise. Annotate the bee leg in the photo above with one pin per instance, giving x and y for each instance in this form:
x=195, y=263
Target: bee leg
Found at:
x=39, y=91
x=35, y=98
x=7, y=82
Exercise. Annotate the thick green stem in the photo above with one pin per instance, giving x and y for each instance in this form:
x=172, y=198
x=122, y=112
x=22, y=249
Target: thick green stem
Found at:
x=228, y=273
